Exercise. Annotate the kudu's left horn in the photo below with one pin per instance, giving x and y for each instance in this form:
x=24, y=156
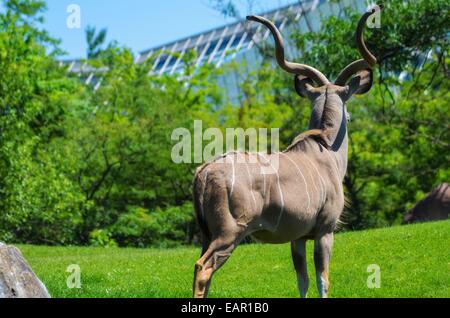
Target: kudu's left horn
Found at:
x=293, y=68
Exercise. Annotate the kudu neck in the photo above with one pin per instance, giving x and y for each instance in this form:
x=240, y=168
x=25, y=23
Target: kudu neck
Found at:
x=333, y=119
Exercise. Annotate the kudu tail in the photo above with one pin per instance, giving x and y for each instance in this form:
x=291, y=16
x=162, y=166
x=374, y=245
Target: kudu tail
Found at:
x=199, y=191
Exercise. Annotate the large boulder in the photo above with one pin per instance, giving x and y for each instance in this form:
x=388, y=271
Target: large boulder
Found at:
x=434, y=207
x=17, y=280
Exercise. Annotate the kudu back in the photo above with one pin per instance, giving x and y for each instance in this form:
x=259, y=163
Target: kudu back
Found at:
x=290, y=196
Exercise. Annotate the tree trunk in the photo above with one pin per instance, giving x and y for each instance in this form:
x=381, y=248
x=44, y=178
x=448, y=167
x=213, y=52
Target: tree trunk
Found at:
x=17, y=280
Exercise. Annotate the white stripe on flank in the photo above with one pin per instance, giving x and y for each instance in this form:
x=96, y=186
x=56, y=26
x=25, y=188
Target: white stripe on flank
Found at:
x=322, y=182
x=251, y=184
x=233, y=178
x=313, y=181
x=340, y=163
x=264, y=184
x=264, y=177
x=304, y=180
x=281, y=194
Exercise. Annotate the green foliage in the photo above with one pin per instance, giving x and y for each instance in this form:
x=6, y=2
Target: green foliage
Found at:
x=123, y=146
x=79, y=166
x=226, y=7
x=162, y=228
x=397, y=44
x=94, y=41
x=101, y=238
x=38, y=202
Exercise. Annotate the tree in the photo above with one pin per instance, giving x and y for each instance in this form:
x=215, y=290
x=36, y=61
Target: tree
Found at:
x=38, y=203
x=94, y=41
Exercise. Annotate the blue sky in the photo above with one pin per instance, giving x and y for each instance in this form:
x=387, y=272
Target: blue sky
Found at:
x=140, y=24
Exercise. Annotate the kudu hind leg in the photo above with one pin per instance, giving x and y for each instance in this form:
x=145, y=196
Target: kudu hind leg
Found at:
x=322, y=253
x=216, y=255
x=298, y=249
x=205, y=245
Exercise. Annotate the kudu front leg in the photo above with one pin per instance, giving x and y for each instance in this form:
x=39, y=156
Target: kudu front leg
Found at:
x=298, y=249
x=322, y=253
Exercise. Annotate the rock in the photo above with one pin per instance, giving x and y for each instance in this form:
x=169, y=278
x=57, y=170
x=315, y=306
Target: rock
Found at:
x=17, y=279
x=434, y=207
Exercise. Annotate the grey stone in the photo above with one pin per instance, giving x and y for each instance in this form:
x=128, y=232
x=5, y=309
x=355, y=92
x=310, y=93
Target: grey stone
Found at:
x=17, y=279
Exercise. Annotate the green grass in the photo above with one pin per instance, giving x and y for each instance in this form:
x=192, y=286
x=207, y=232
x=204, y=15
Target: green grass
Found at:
x=414, y=261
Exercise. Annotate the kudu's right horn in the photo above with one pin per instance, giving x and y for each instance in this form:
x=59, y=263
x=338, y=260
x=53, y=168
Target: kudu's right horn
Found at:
x=369, y=61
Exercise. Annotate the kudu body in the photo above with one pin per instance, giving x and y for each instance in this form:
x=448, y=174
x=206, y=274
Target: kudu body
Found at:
x=302, y=197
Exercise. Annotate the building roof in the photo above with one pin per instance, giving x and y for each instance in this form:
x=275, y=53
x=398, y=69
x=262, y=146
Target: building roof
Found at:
x=220, y=44
x=215, y=46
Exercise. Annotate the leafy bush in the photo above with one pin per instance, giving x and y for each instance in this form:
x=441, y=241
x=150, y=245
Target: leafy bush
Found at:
x=163, y=228
x=101, y=238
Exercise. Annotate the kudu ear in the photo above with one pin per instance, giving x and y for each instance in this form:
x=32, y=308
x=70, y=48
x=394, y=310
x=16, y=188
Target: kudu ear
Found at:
x=361, y=83
x=304, y=87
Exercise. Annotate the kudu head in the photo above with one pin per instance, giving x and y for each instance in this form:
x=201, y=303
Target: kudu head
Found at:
x=328, y=99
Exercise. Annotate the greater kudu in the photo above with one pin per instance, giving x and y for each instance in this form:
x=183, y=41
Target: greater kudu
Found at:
x=303, y=198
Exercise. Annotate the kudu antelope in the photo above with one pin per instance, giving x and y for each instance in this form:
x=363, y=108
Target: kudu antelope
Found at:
x=303, y=198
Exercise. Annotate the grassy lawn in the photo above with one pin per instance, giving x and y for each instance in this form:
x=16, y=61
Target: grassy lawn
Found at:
x=414, y=262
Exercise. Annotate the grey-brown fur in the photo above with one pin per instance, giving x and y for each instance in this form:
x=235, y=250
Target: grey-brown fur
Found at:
x=300, y=198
